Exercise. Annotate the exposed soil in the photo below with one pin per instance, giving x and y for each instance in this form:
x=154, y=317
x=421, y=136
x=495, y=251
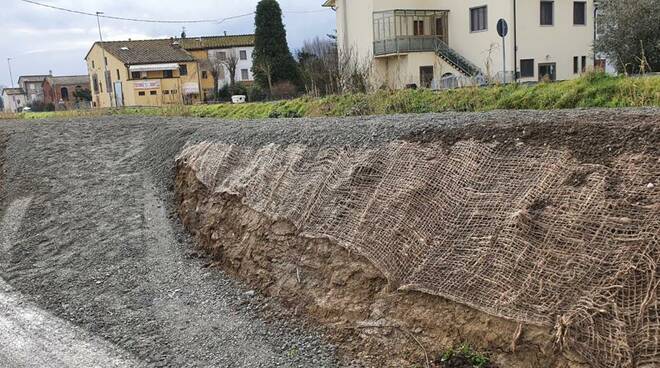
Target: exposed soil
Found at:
x=342, y=290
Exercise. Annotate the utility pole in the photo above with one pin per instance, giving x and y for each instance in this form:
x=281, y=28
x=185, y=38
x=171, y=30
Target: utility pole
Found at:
x=10, y=75
x=106, y=76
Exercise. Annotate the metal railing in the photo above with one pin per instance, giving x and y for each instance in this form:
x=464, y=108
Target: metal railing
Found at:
x=406, y=44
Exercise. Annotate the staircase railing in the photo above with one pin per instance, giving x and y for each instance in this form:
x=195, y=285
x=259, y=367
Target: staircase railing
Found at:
x=456, y=60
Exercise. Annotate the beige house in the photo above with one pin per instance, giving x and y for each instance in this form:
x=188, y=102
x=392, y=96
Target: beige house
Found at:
x=142, y=73
x=441, y=43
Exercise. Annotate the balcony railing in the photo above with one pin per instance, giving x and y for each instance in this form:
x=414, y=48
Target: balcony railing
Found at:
x=405, y=44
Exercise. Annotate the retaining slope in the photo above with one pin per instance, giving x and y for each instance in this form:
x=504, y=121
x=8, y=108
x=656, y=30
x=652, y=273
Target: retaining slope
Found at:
x=549, y=219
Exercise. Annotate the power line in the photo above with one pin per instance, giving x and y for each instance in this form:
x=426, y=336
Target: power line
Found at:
x=143, y=20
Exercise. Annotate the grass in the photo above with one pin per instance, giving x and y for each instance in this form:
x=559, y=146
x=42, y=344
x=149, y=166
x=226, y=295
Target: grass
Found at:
x=591, y=90
x=464, y=355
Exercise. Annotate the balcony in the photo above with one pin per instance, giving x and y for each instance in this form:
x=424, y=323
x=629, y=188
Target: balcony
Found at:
x=405, y=31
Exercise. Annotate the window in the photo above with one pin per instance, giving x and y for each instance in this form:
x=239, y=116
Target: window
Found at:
x=141, y=93
x=166, y=92
x=93, y=64
x=64, y=93
x=547, y=16
x=526, y=68
x=118, y=76
x=243, y=54
x=576, y=67
x=418, y=28
x=584, y=64
x=105, y=60
x=167, y=74
x=221, y=55
x=548, y=71
x=173, y=91
x=580, y=13
x=95, y=83
x=135, y=75
x=244, y=74
x=101, y=87
x=32, y=87
x=479, y=19
x=183, y=69
x=153, y=93
x=204, y=74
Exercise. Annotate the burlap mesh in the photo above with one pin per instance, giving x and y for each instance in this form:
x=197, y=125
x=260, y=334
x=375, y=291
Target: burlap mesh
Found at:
x=524, y=233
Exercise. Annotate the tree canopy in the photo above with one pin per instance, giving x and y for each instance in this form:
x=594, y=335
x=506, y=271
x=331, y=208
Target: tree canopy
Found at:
x=629, y=34
x=272, y=60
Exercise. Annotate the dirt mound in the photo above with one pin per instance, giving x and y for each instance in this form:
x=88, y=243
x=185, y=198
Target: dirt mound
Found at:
x=546, y=220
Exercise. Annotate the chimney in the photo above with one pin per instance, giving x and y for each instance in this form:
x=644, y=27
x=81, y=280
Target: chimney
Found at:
x=50, y=72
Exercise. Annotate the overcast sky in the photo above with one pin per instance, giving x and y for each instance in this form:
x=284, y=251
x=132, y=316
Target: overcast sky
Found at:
x=40, y=39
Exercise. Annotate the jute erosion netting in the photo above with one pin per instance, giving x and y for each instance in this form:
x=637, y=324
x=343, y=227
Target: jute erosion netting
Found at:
x=526, y=232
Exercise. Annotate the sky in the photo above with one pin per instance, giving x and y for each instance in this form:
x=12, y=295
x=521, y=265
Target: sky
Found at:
x=40, y=40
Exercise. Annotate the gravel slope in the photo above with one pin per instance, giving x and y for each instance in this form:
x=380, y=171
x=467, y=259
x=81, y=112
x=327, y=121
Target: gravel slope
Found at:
x=97, y=246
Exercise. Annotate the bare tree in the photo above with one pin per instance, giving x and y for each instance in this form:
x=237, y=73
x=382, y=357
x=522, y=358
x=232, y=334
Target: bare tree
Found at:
x=266, y=68
x=230, y=61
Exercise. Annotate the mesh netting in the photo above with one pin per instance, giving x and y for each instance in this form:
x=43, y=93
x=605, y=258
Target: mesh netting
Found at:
x=524, y=233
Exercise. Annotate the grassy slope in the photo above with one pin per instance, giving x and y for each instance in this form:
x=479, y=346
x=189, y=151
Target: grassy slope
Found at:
x=592, y=90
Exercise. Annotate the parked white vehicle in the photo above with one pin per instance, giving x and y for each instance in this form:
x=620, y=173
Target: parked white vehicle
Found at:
x=238, y=99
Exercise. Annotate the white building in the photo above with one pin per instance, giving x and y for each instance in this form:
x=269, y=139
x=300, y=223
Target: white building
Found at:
x=243, y=56
x=424, y=42
x=13, y=99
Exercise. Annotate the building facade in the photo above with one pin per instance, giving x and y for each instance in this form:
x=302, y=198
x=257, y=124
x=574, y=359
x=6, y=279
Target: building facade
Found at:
x=214, y=53
x=142, y=73
x=427, y=42
x=13, y=99
x=32, y=87
x=61, y=91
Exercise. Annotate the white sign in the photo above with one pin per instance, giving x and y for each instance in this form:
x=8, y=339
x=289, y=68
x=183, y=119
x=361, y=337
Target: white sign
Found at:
x=190, y=88
x=147, y=84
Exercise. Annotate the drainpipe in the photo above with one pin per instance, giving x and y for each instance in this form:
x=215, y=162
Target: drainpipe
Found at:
x=595, y=29
x=515, y=42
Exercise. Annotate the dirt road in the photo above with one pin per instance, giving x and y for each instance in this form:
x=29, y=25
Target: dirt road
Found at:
x=98, y=263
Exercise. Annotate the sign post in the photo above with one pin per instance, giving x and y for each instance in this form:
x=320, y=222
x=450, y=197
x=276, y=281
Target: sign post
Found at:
x=503, y=30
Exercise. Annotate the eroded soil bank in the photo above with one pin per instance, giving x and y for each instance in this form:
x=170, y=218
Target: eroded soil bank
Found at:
x=567, y=163
x=345, y=292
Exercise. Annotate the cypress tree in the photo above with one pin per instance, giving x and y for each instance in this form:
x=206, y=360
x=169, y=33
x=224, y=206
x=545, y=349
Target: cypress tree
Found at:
x=271, y=56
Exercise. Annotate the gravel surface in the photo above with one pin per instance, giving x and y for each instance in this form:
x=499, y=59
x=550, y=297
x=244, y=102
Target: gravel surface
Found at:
x=90, y=235
x=99, y=246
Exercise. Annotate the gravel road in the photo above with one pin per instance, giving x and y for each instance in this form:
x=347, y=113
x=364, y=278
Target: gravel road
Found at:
x=89, y=239
x=88, y=236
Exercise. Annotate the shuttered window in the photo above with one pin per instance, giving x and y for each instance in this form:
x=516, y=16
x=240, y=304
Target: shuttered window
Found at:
x=579, y=13
x=478, y=19
x=547, y=10
x=526, y=68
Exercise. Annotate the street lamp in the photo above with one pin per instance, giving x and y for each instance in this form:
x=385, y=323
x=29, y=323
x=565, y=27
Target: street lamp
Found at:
x=108, y=79
x=11, y=77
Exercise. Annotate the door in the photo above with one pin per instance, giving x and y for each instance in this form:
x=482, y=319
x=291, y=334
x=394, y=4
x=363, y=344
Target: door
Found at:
x=548, y=70
x=440, y=28
x=119, y=95
x=425, y=76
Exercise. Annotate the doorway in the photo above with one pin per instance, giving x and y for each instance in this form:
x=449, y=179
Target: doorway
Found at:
x=425, y=76
x=548, y=70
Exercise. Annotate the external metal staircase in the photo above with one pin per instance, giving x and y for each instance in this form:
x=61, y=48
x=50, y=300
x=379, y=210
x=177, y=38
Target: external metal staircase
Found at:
x=455, y=59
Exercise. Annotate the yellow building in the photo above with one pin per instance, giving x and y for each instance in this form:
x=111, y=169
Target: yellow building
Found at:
x=142, y=73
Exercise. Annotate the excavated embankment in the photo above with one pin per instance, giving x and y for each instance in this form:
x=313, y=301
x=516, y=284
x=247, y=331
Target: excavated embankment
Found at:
x=531, y=235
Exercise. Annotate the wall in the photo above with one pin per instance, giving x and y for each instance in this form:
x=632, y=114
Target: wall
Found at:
x=95, y=67
x=558, y=43
x=13, y=102
x=483, y=48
